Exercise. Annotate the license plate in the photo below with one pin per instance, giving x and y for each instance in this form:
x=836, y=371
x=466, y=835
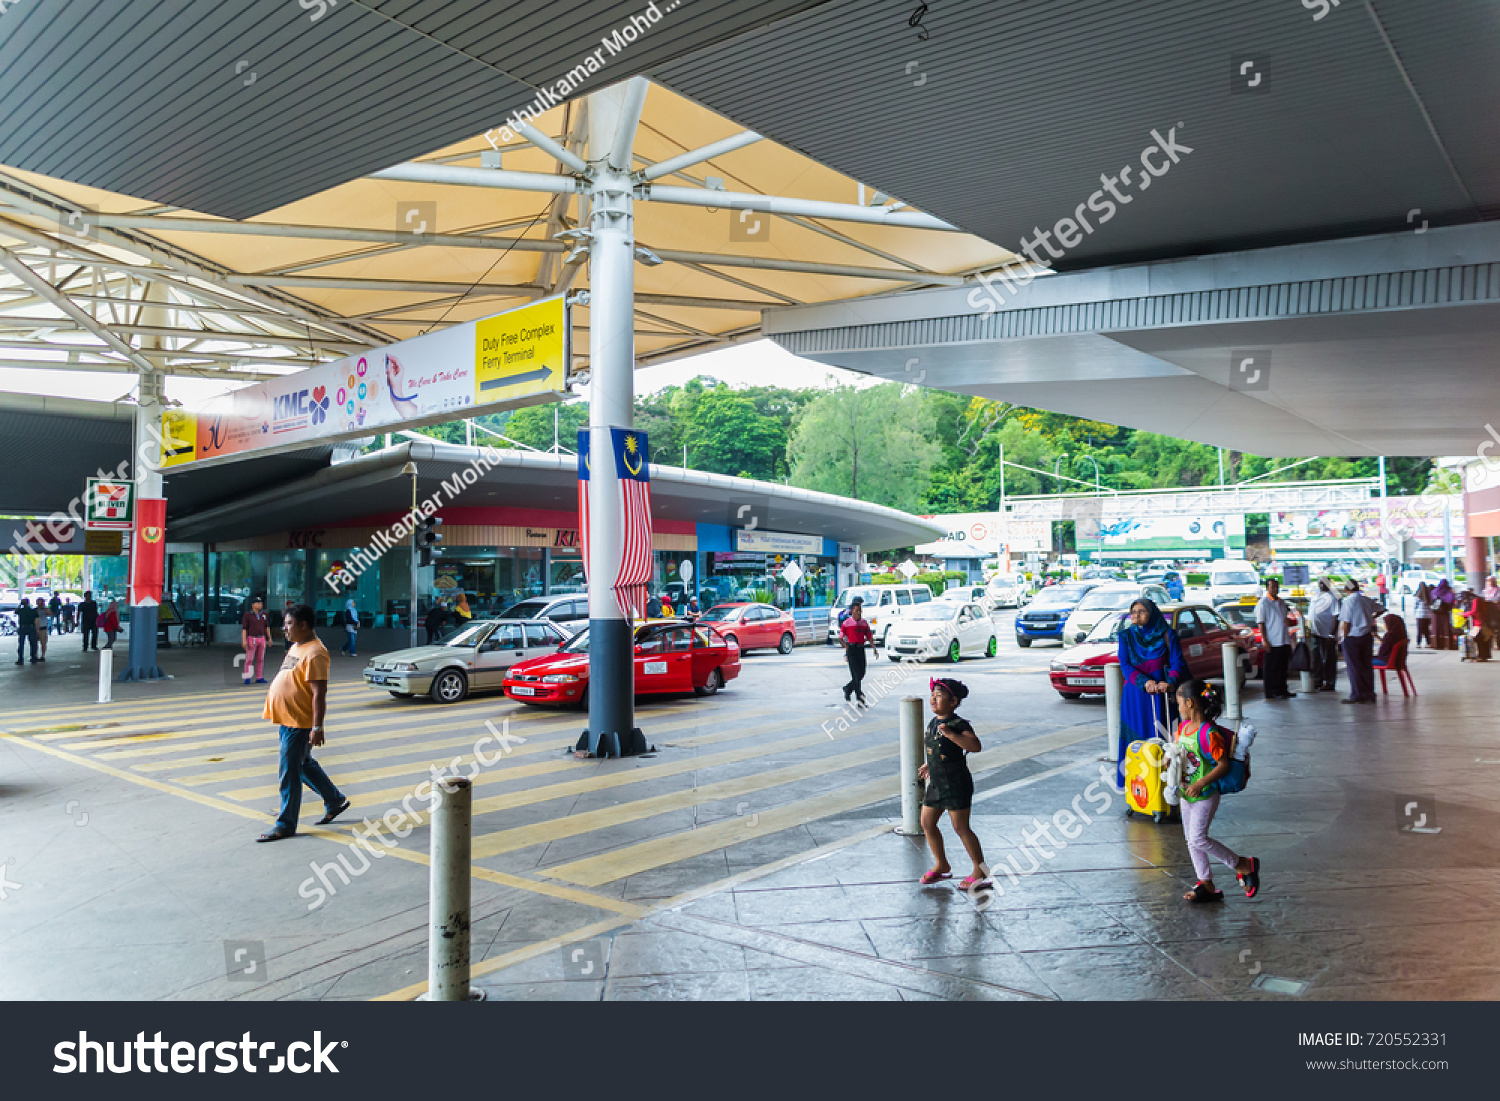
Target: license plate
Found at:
x=1085, y=680
x=655, y=667
x=522, y=691
x=378, y=680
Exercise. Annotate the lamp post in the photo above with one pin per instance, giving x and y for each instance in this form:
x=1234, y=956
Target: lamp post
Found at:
x=410, y=469
x=1099, y=520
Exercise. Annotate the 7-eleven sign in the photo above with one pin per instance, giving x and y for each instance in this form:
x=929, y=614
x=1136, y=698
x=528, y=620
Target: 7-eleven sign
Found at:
x=109, y=505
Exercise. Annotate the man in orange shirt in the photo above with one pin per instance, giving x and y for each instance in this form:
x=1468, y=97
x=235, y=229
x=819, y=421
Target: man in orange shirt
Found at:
x=297, y=700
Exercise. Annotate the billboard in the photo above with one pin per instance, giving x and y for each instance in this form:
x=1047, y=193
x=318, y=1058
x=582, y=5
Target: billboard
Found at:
x=1406, y=518
x=1160, y=533
x=970, y=535
x=519, y=357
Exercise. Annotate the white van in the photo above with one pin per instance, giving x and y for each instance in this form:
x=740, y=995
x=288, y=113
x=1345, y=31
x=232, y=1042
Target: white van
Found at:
x=887, y=599
x=1230, y=579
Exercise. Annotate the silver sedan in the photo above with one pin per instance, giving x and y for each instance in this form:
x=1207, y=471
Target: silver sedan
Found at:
x=474, y=659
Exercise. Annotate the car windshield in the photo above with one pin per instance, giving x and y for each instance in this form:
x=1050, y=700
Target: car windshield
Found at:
x=470, y=636
x=527, y=609
x=941, y=610
x=1057, y=595
x=720, y=613
x=1108, y=600
x=1107, y=629
x=1235, y=577
x=870, y=596
x=578, y=644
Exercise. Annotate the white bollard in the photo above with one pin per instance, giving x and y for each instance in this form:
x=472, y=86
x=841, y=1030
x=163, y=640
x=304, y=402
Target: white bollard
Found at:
x=106, y=675
x=1231, y=680
x=448, y=892
x=911, y=759
x=1114, y=692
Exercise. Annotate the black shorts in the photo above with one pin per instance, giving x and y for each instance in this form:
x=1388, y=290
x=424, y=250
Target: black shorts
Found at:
x=949, y=790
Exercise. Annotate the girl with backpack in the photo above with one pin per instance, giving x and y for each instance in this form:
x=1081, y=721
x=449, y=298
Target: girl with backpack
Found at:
x=1207, y=758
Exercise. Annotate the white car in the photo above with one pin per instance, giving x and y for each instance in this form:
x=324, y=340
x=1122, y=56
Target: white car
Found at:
x=974, y=594
x=882, y=604
x=1100, y=602
x=1006, y=592
x=1230, y=579
x=942, y=629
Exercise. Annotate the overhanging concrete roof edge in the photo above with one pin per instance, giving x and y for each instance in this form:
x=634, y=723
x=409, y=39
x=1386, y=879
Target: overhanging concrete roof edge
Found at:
x=71, y=407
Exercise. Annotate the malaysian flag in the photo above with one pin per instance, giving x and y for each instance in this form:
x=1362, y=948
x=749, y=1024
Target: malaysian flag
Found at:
x=633, y=469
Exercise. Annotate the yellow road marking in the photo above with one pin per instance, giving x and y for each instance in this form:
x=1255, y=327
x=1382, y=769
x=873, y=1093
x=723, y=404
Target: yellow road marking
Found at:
x=504, y=841
x=145, y=713
x=421, y=768
x=632, y=859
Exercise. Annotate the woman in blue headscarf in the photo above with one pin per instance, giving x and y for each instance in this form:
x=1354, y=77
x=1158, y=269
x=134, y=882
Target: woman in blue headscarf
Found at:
x=1151, y=663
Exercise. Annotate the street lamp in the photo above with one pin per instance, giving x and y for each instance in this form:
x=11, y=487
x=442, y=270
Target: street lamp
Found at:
x=410, y=469
x=1099, y=521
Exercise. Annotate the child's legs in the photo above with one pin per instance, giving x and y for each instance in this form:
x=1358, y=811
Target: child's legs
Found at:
x=930, y=817
x=960, y=820
x=1196, y=818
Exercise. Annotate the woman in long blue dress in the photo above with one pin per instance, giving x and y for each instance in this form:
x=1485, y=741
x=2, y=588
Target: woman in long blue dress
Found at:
x=1151, y=663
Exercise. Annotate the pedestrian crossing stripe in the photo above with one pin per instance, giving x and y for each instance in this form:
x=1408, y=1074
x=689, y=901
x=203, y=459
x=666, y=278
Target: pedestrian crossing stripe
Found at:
x=198, y=703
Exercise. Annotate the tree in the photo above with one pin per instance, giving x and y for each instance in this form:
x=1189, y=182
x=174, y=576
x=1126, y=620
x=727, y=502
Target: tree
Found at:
x=726, y=435
x=532, y=425
x=874, y=444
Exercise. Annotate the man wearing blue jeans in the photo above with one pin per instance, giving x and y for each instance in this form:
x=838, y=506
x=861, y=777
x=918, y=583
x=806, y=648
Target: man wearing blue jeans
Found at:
x=297, y=700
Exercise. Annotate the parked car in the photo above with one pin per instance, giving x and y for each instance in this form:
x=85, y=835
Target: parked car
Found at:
x=878, y=599
x=1006, y=592
x=1231, y=578
x=670, y=656
x=475, y=658
x=1047, y=613
x=568, y=612
x=943, y=628
x=1241, y=613
x=1170, y=580
x=1115, y=596
x=752, y=626
x=1200, y=631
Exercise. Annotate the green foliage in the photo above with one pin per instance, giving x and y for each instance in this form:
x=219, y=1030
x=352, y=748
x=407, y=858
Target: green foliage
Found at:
x=533, y=426
x=875, y=444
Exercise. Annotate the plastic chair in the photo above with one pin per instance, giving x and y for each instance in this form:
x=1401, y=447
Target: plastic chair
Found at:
x=1397, y=665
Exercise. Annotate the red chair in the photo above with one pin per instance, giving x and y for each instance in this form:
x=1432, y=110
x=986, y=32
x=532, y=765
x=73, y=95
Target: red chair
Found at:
x=1397, y=665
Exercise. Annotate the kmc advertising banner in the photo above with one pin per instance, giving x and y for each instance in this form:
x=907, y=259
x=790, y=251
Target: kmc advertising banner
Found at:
x=520, y=357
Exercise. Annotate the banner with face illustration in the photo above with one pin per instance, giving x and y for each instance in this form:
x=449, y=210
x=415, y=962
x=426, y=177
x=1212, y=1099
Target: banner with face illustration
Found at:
x=520, y=357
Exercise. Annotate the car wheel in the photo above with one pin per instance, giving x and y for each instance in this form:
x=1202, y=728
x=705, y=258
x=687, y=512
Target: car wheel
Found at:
x=786, y=643
x=731, y=640
x=401, y=695
x=954, y=653
x=449, y=686
x=1023, y=643
x=992, y=649
x=1072, y=695
x=583, y=700
x=713, y=684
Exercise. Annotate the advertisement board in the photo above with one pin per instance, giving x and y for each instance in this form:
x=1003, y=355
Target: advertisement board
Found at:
x=970, y=535
x=775, y=542
x=1161, y=533
x=520, y=357
x=1406, y=518
x=108, y=504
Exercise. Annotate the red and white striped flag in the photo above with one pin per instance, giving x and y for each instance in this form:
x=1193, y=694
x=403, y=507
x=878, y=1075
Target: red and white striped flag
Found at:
x=633, y=470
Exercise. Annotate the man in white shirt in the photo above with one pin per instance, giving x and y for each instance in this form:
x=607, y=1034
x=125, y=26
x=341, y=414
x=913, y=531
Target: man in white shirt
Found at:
x=1272, y=615
x=1356, y=628
x=1324, y=615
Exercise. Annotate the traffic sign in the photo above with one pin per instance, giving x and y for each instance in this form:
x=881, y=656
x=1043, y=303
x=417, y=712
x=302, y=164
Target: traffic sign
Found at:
x=792, y=573
x=908, y=569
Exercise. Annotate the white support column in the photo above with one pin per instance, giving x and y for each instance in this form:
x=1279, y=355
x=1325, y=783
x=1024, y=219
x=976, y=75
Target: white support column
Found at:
x=911, y=760
x=612, y=117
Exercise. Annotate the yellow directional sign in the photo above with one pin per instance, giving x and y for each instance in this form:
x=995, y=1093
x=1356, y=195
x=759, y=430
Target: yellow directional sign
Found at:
x=521, y=352
x=179, y=437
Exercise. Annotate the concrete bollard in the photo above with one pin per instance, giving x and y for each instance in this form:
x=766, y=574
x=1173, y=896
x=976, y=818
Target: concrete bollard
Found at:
x=448, y=893
x=1114, y=692
x=106, y=675
x=911, y=758
x=1231, y=681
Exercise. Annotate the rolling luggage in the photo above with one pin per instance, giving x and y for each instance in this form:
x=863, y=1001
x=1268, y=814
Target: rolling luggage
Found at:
x=1145, y=761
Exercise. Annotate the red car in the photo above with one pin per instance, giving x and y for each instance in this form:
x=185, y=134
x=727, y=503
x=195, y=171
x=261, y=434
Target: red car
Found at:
x=1200, y=632
x=753, y=626
x=670, y=656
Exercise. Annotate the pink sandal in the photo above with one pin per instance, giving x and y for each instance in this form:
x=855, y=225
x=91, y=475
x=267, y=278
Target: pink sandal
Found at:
x=969, y=882
x=933, y=876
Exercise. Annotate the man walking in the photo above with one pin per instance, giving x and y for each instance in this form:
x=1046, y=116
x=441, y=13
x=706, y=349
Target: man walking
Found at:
x=25, y=629
x=857, y=635
x=1324, y=615
x=1356, y=622
x=1271, y=613
x=88, y=621
x=297, y=701
x=255, y=635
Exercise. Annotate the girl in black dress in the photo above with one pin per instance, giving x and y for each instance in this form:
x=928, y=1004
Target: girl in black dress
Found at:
x=949, y=786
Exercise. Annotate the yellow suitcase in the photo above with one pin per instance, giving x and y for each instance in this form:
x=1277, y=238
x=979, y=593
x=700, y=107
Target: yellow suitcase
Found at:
x=1143, y=787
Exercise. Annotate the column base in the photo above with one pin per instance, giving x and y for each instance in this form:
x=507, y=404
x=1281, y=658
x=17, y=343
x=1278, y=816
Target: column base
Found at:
x=631, y=745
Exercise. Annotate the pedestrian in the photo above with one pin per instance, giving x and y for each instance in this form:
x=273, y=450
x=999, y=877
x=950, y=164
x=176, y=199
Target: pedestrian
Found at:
x=437, y=619
x=667, y=611
x=1151, y=662
x=1394, y=634
x=653, y=607
x=1324, y=618
x=1491, y=591
x=1443, y=600
x=1380, y=586
x=88, y=621
x=286, y=610
x=1482, y=616
x=297, y=701
x=1273, y=616
x=349, y=617
x=255, y=636
x=25, y=631
x=1207, y=750
x=693, y=611
x=1356, y=623
x=109, y=623
x=856, y=634
x=55, y=613
x=950, y=787
x=1424, y=615
x=462, y=613
x=43, y=615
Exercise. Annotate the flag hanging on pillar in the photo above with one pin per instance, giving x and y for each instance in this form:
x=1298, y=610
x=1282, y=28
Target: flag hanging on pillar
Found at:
x=633, y=472
x=148, y=552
